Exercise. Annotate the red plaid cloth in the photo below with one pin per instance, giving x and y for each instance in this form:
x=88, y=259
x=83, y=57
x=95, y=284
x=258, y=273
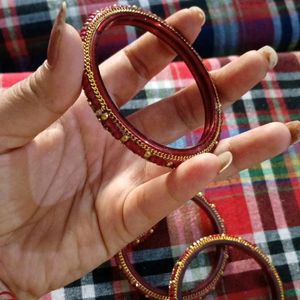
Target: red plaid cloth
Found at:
x=261, y=204
x=232, y=26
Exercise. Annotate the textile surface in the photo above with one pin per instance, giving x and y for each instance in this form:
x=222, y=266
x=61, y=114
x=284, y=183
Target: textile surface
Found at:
x=232, y=27
x=261, y=204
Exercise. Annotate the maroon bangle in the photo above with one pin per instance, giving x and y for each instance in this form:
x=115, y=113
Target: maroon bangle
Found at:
x=7, y=294
x=179, y=269
x=108, y=113
x=205, y=286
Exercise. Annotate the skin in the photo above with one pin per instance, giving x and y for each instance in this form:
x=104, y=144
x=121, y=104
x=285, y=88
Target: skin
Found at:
x=70, y=195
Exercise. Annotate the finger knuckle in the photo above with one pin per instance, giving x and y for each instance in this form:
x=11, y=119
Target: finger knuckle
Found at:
x=187, y=111
x=137, y=63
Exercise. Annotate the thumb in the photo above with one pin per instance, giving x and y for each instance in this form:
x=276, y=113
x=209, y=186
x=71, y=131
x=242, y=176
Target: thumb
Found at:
x=33, y=104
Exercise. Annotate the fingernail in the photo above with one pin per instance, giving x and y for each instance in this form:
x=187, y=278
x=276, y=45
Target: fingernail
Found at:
x=226, y=160
x=294, y=128
x=200, y=12
x=55, y=37
x=270, y=54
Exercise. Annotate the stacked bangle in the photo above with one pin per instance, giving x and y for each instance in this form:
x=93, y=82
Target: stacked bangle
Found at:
x=175, y=292
x=204, y=286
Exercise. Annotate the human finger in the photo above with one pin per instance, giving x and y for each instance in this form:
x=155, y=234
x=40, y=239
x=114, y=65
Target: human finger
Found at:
x=126, y=72
x=33, y=104
x=236, y=78
x=158, y=197
x=258, y=145
x=155, y=199
x=184, y=112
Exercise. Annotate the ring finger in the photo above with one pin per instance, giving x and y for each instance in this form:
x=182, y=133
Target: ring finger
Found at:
x=183, y=111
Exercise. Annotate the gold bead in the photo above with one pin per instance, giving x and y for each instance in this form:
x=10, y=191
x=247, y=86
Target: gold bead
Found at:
x=104, y=116
x=147, y=154
x=169, y=164
x=98, y=113
x=101, y=115
x=180, y=263
x=125, y=138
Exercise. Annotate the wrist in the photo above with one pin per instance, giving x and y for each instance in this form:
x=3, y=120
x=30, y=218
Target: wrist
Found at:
x=5, y=293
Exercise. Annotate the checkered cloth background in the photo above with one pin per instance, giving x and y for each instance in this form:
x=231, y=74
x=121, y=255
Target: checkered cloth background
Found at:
x=261, y=204
x=232, y=27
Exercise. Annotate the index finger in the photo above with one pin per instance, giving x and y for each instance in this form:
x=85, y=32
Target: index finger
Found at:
x=126, y=72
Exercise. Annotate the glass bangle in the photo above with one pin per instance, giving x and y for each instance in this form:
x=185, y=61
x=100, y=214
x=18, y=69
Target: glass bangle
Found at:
x=205, y=286
x=108, y=113
x=175, y=292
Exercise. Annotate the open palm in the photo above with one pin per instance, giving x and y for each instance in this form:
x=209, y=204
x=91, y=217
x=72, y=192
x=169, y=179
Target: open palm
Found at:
x=71, y=196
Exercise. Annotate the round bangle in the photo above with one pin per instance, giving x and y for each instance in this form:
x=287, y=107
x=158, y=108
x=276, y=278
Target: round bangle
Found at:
x=205, y=286
x=108, y=113
x=179, y=269
x=7, y=294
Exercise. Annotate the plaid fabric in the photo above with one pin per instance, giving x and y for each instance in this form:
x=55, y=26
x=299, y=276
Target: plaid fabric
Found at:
x=262, y=204
x=233, y=26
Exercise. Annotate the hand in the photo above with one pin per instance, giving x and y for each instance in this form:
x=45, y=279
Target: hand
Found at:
x=71, y=196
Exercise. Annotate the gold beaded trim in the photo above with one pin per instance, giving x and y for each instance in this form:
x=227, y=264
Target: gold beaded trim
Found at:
x=201, y=243
x=104, y=113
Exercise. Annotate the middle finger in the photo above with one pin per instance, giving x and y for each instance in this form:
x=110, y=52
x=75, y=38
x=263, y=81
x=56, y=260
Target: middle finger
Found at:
x=171, y=118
